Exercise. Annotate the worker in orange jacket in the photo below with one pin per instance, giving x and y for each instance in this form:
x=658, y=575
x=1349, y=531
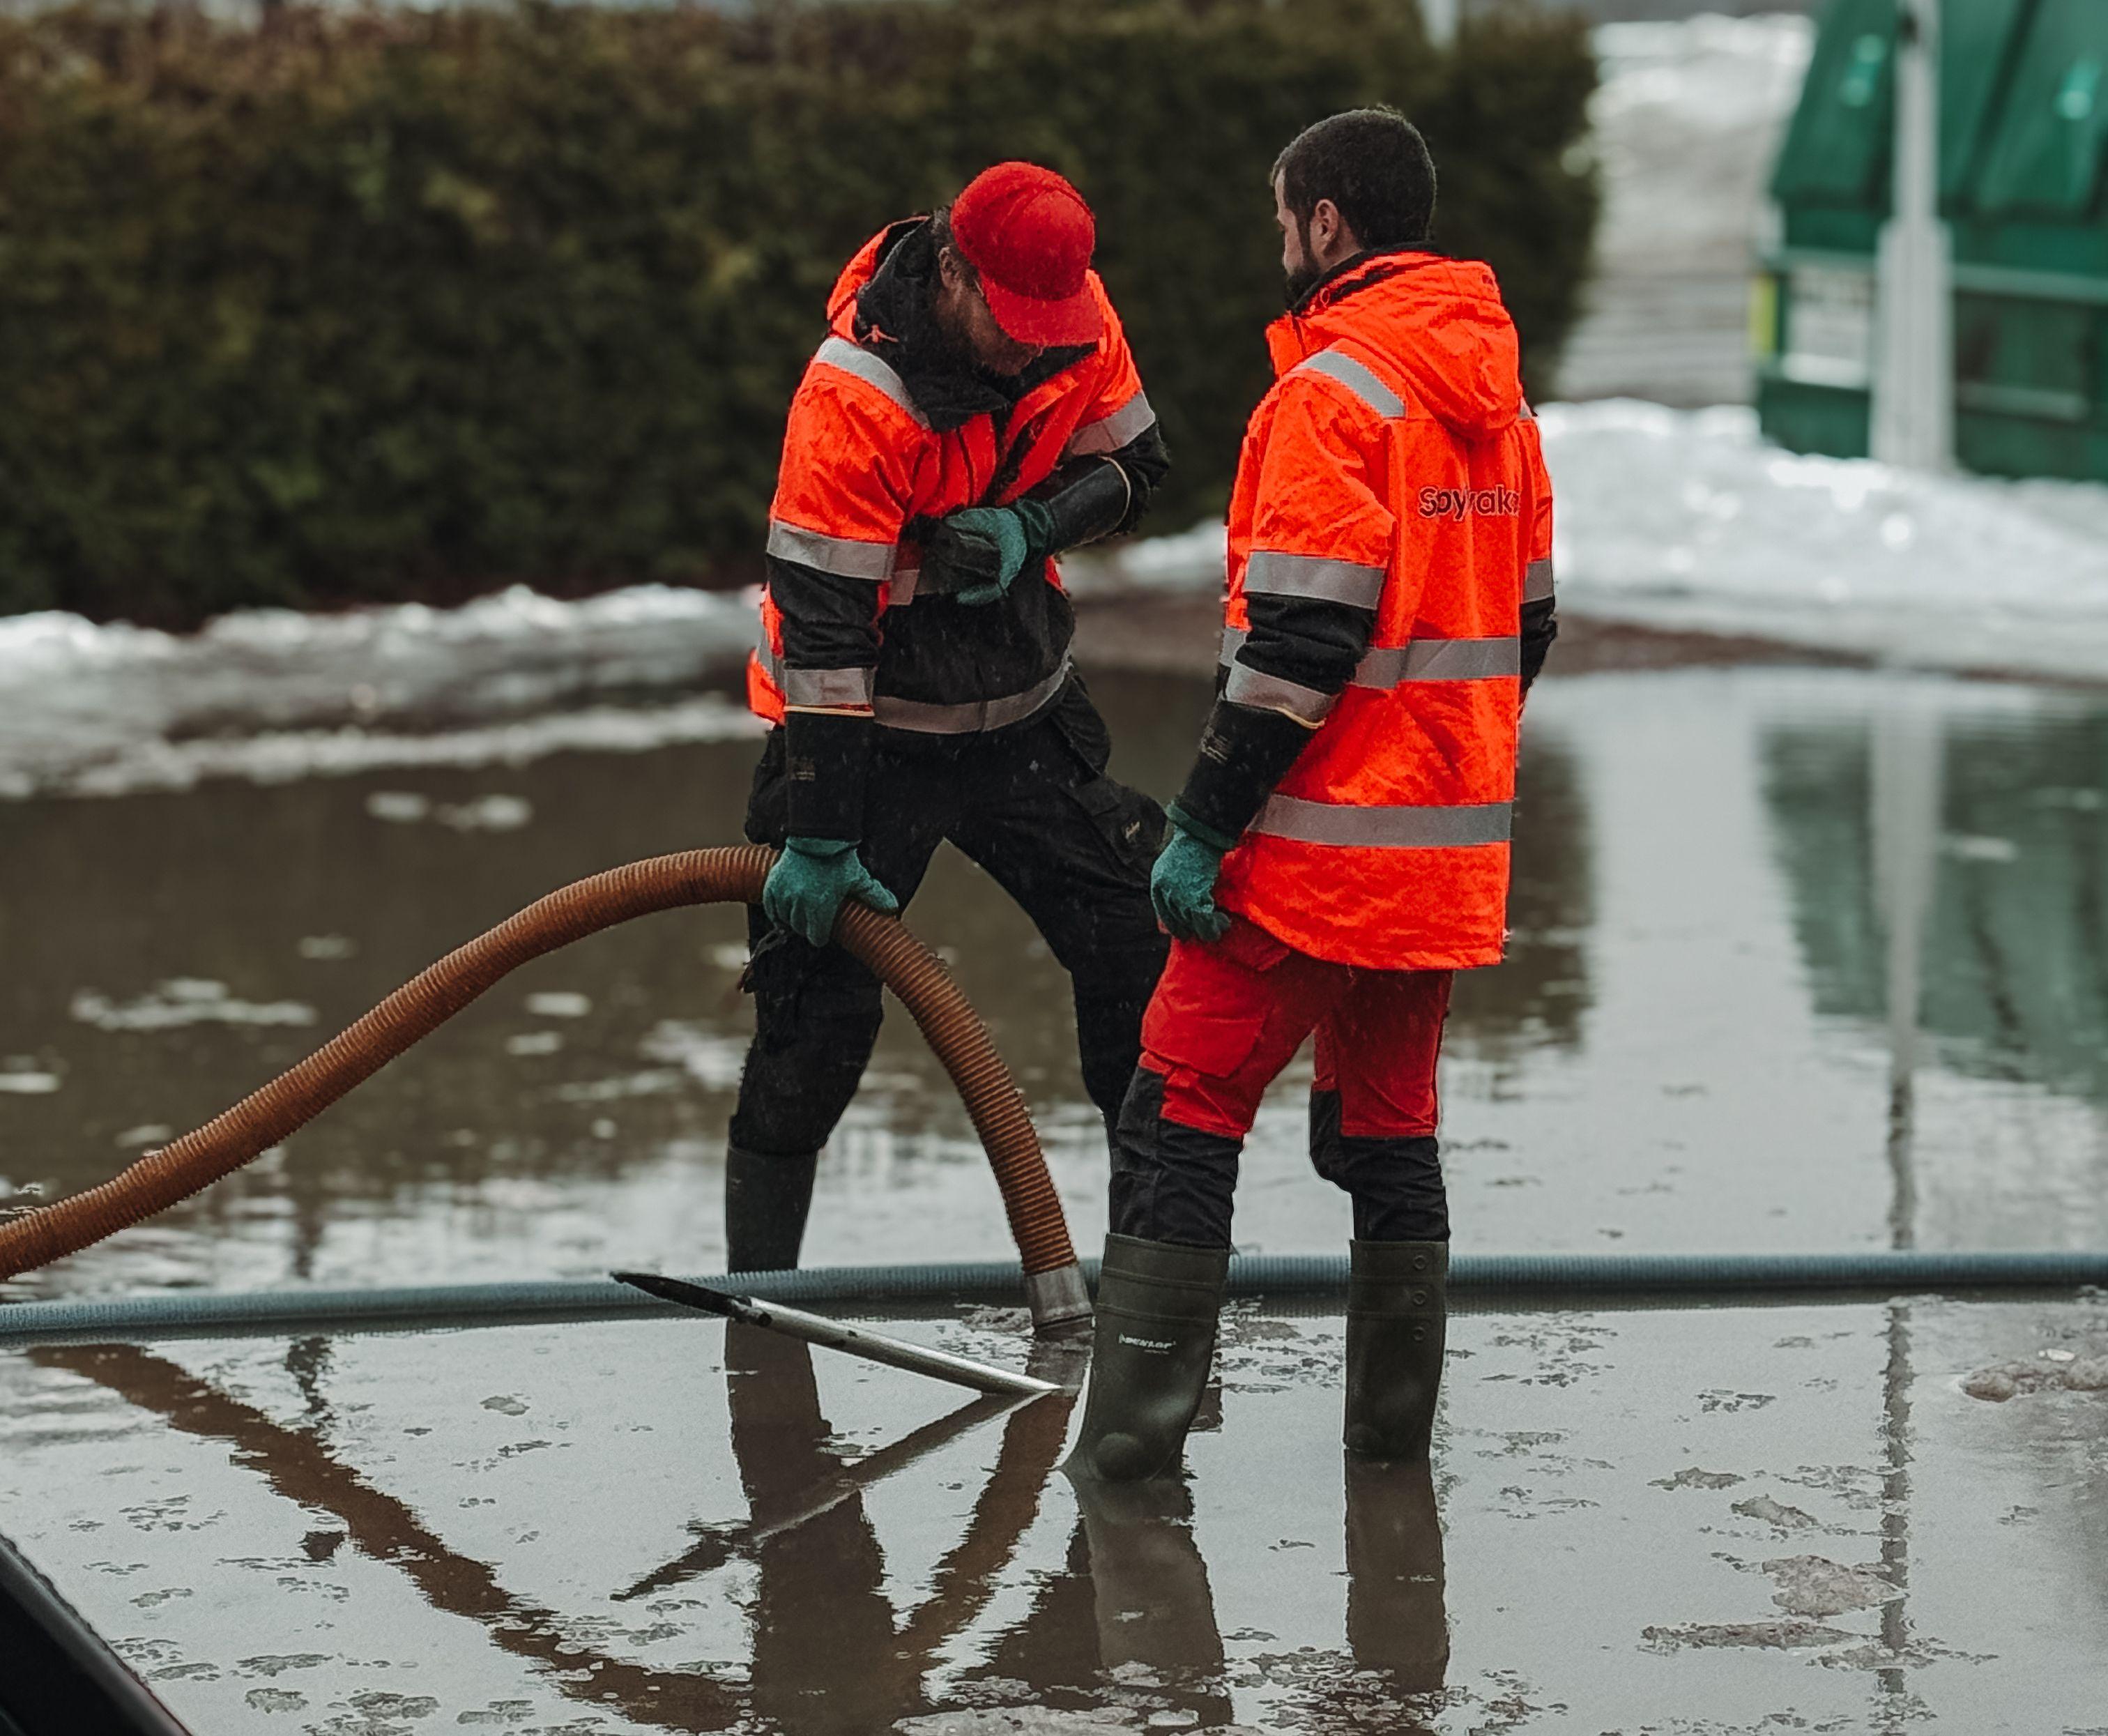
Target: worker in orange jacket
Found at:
x=973, y=411
x=1340, y=847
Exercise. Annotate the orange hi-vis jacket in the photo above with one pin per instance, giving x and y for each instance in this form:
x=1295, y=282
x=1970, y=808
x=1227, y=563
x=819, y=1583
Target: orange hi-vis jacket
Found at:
x=864, y=466
x=1392, y=467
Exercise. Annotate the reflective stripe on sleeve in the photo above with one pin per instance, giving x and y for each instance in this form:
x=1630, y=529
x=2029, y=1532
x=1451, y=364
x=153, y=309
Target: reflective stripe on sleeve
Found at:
x=839, y=352
x=924, y=718
x=1384, y=828
x=1269, y=574
x=1386, y=666
x=1537, y=580
x=844, y=556
x=1247, y=686
x=1109, y=433
x=828, y=689
x=1440, y=660
x=1336, y=364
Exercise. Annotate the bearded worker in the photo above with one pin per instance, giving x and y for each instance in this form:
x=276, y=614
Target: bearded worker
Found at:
x=973, y=411
x=1341, y=846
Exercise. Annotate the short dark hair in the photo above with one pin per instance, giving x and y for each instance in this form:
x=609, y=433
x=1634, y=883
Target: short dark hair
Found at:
x=1372, y=164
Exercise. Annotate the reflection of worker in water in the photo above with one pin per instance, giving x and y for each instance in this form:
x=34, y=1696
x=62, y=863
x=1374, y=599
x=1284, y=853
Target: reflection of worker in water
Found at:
x=1341, y=844
x=974, y=410
x=1135, y=1613
x=826, y=1649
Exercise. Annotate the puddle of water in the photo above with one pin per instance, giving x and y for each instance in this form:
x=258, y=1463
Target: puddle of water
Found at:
x=1735, y=888
x=1722, y=1521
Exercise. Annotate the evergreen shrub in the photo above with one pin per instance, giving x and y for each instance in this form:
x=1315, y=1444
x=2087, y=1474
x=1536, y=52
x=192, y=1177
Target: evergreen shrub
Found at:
x=344, y=307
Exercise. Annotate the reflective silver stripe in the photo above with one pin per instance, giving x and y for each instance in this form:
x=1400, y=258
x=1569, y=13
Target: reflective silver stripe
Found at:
x=1109, y=433
x=926, y=719
x=1268, y=573
x=828, y=689
x=1440, y=660
x=1537, y=580
x=1247, y=686
x=839, y=352
x=1386, y=666
x=1336, y=364
x=843, y=555
x=1384, y=828
x=902, y=591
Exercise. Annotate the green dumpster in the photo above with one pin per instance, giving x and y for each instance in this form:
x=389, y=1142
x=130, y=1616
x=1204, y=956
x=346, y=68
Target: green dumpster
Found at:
x=2024, y=132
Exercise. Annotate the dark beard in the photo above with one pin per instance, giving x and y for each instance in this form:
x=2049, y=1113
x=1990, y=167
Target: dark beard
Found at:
x=1300, y=280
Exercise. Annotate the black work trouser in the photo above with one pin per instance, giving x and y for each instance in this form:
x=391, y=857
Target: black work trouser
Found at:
x=1030, y=804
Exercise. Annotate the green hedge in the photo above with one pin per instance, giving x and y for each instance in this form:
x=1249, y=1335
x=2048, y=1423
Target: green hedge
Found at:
x=349, y=308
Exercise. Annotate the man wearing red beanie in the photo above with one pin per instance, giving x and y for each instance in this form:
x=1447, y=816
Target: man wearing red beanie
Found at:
x=973, y=411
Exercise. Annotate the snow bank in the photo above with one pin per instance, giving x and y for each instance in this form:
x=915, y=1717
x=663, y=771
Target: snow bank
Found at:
x=1688, y=519
x=272, y=694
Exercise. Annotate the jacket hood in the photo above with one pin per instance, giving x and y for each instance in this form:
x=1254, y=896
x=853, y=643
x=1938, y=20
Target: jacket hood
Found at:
x=1440, y=322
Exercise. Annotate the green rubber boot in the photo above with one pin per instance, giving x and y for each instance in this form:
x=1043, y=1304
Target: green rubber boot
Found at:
x=1397, y=1309
x=1158, y=1303
x=766, y=1200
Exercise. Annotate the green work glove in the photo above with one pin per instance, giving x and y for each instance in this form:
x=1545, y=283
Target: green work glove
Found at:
x=975, y=555
x=805, y=890
x=1181, y=886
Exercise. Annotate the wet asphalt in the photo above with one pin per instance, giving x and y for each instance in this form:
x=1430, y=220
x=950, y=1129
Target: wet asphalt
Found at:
x=1803, y=958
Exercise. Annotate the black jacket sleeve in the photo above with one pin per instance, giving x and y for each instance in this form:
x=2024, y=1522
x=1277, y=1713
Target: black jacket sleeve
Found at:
x=1540, y=627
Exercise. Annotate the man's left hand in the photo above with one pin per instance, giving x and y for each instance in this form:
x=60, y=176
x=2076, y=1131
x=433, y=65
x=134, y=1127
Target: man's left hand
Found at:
x=976, y=554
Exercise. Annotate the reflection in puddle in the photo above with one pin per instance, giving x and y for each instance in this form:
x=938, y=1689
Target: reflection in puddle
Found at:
x=616, y=1529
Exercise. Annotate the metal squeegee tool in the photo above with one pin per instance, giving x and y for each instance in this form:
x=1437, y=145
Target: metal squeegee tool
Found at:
x=795, y=1322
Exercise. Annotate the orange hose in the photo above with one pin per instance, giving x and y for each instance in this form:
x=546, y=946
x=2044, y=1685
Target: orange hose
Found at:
x=703, y=877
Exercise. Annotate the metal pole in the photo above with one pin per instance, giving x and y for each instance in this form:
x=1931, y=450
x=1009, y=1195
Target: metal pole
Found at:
x=1913, y=400
x=795, y=1322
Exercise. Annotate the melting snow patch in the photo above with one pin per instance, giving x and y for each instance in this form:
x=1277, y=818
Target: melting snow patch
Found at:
x=271, y=693
x=488, y=813
x=534, y=1043
x=398, y=807
x=711, y=1058
x=2051, y=1370
x=558, y=1004
x=330, y=948
x=1771, y=1635
x=29, y=1083
x=1689, y=519
x=1811, y=1585
x=1691, y=1477
x=1764, y=1507
x=184, y=1000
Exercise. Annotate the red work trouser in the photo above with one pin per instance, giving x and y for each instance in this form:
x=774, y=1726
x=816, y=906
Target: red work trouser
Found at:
x=1226, y=1017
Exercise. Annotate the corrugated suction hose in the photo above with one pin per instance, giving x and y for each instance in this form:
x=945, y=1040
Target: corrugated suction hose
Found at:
x=1053, y=1280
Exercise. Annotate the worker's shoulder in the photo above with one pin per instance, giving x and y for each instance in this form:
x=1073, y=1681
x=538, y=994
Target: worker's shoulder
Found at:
x=1352, y=382
x=846, y=383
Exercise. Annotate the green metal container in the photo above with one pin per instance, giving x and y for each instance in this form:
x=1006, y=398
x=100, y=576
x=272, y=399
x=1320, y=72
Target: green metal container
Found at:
x=2023, y=111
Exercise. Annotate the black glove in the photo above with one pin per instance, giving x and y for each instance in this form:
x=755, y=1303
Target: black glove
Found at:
x=1244, y=753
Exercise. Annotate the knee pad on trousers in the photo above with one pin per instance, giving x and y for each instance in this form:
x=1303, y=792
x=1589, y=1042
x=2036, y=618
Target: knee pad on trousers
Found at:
x=1395, y=1182
x=1170, y=1183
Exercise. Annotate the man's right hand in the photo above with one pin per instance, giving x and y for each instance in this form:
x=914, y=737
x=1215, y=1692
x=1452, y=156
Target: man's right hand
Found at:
x=805, y=890
x=1181, y=886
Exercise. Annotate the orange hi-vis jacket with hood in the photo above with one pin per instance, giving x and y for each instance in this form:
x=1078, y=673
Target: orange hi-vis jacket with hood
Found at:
x=1390, y=586
x=888, y=432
